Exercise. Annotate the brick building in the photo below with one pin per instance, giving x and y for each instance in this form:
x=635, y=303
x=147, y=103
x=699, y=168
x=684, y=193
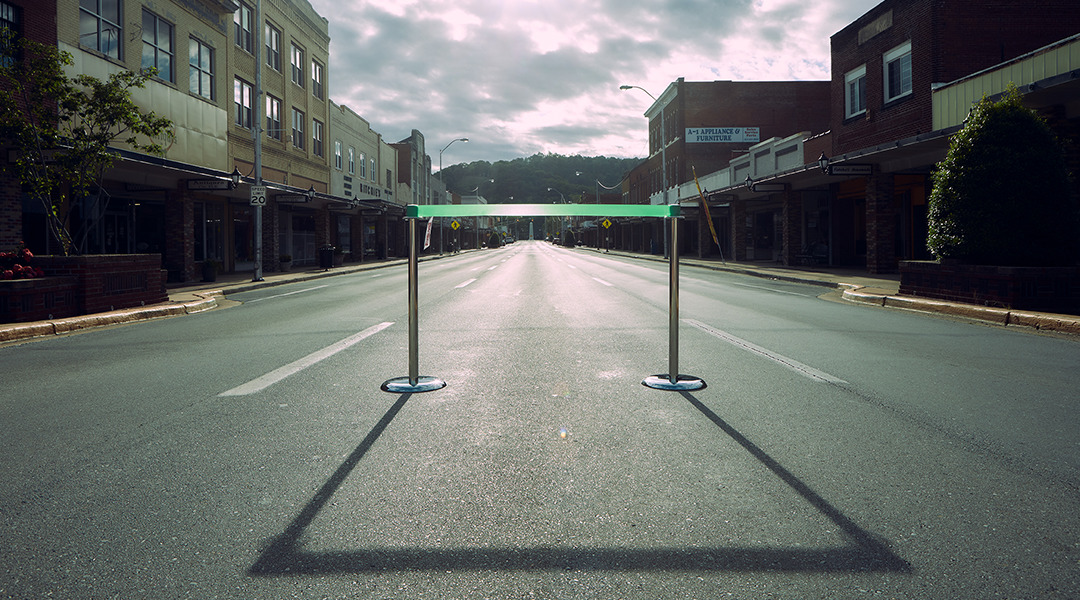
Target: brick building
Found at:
x=896, y=72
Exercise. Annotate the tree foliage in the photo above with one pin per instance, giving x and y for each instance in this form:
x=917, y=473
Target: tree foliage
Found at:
x=1002, y=195
x=61, y=129
x=526, y=180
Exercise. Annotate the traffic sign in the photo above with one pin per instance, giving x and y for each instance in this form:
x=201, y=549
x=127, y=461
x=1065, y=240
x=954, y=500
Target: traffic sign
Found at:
x=454, y=225
x=258, y=195
x=606, y=223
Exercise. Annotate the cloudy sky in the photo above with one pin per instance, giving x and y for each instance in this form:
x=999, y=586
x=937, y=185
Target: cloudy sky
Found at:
x=518, y=77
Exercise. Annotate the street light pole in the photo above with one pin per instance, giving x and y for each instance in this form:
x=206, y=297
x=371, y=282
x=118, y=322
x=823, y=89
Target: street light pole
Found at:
x=663, y=153
x=442, y=229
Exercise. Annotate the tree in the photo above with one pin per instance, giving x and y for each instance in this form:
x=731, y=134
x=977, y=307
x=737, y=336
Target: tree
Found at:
x=1002, y=194
x=62, y=130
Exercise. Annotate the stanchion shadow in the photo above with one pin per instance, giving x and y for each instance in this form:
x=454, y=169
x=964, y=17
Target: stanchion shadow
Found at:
x=284, y=556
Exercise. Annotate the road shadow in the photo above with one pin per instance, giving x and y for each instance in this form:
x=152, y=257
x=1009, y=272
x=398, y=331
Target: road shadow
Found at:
x=284, y=556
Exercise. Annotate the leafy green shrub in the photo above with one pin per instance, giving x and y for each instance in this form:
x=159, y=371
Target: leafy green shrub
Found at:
x=494, y=240
x=1002, y=194
x=567, y=239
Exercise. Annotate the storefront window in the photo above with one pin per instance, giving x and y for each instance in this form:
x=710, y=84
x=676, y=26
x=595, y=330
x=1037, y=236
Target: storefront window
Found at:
x=209, y=231
x=344, y=232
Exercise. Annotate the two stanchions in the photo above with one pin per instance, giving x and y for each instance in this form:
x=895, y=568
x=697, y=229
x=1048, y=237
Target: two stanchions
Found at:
x=672, y=380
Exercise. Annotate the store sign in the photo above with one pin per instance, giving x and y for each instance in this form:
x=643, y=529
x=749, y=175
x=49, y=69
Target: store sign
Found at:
x=716, y=135
x=209, y=184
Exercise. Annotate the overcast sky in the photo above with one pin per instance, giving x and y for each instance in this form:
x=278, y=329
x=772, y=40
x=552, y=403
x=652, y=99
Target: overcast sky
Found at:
x=518, y=77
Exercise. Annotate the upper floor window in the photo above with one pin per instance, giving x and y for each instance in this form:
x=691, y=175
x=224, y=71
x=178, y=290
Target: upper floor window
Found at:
x=337, y=155
x=898, y=72
x=242, y=97
x=157, y=37
x=363, y=167
x=273, y=47
x=99, y=26
x=201, y=69
x=855, y=92
x=352, y=161
x=298, y=128
x=241, y=25
x=273, y=117
x=298, y=65
x=371, y=161
x=317, y=79
x=317, y=137
x=10, y=24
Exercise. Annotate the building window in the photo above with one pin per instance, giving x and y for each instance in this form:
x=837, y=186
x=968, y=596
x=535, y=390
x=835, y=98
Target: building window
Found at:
x=157, y=37
x=99, y=26
x=371, y=161
x=855, y=92
x=11, y=27
x=242, y=95
x=242, y=26
x=297, y=65
x=273, y=117
x=363, y=167
x=352, y=161
x=298, y=128
x=317, y=137
x=337, y=155
x=317, y=79
x=273, y=48
x=898, y=72
x=201, y=71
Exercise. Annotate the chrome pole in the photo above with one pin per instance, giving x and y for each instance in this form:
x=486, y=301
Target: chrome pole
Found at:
x=414, y=310
x=673, y=304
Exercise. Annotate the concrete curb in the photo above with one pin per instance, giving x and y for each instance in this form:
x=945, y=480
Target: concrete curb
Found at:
x=998, y=316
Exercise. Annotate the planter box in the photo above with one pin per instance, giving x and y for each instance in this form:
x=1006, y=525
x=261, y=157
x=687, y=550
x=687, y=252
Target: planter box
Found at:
x=24, y=300
x=1042, y=289
x=107, y=282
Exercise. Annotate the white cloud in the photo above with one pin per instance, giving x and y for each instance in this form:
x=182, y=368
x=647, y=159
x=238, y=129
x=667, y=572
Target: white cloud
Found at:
x=524, y=76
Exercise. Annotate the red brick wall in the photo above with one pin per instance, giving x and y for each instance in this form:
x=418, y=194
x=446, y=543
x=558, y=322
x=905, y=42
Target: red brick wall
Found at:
x=110, y=281
x=949, y=40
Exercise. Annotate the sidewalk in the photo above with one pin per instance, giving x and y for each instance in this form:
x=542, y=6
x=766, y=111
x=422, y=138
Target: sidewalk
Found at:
x=853, y=285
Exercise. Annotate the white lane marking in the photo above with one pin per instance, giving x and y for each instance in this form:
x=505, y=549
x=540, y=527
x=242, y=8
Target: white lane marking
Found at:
x=261, y=383
x=493, y=268
x=318, y=287
x=603, y=282
x=461, y=285
x=804, y=370
x=761, y=287
x=571, y=266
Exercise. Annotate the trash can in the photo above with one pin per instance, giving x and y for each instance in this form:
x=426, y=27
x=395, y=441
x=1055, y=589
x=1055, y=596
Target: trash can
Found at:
x=326, y=257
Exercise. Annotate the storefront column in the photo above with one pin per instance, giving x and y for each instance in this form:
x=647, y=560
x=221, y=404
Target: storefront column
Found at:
x=739, y=229
x=179, y=236
x=792, y=224
x=880, y=225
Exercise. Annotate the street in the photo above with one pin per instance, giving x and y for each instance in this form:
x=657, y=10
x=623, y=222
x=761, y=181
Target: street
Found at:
x=838, y=450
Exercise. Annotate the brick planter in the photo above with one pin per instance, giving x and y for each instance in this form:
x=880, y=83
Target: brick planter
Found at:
x=23, y=300
x=1043, y=289
x=108, y=281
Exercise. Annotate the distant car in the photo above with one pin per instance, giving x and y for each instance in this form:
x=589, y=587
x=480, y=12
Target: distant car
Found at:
x=555, y=240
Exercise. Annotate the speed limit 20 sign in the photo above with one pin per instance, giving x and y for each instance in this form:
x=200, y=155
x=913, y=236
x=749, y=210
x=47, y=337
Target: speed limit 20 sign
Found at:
x=258, y=195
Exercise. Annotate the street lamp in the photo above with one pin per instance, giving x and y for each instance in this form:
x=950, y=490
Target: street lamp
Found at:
x=463, y=139
x=235, y=176
x=663, y=153
x=823, y=162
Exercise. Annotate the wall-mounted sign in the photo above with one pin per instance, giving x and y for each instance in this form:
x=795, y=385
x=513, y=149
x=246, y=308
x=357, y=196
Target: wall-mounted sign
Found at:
x=716, y=135
x=291, y=198
x=851, y=170
x=209, y=184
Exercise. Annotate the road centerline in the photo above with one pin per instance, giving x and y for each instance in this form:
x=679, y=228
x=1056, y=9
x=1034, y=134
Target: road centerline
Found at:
x=261, y=383
x=800, y=368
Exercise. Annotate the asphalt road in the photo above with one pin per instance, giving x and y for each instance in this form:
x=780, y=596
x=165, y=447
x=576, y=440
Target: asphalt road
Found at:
x=839, y=451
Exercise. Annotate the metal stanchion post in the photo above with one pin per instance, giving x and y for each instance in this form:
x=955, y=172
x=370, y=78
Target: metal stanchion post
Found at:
x=673, y=380
x=414, y=382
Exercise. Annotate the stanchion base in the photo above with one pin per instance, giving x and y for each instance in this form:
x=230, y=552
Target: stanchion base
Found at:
x=402, y=385
x=682, y=383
